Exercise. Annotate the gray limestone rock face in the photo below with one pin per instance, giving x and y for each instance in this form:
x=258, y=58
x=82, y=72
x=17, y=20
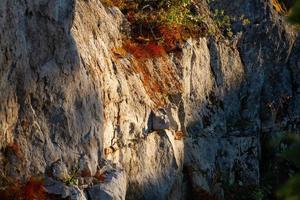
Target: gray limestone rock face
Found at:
x=59, y=171
x=114, y=189
x=54, y=107
x=159, y=121
x=167, y=128
x=64, y=191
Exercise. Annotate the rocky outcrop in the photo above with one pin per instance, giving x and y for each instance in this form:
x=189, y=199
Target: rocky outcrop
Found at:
x=172, y=125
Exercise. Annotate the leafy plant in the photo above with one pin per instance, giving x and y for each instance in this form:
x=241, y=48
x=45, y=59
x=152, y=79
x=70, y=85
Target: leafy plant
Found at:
x=72, y=179
x=245, y=21
x=223, y=21
x=146, y=16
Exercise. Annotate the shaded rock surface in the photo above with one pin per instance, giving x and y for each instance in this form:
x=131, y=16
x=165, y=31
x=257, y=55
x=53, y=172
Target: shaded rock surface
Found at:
x=66, y=98
x=60, y=189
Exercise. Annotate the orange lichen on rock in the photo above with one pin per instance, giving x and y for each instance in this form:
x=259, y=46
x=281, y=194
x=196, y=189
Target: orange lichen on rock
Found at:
x=119, y=52
x=151, y=84
x=179, y=135
x=160, y=82
x=160, y=79
x=108, y=150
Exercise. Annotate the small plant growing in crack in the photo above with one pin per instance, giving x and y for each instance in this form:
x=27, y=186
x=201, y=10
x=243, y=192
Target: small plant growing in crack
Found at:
x=73, y=178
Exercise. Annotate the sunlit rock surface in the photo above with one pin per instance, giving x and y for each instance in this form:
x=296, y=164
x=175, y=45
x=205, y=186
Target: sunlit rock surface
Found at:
x=169, y=128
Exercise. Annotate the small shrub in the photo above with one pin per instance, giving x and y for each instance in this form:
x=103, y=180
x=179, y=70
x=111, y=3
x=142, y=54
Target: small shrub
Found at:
x=157, y=27
x=149, y=18
x=245, y=21
x=73, y=180
x=223, y=21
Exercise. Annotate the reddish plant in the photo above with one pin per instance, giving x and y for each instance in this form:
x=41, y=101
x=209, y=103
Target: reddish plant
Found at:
x=11, y=192
x=158, y=88
x=144, y=48
x=100, y=176
x=144, y=51
x=155, y=50
x=171, y=35
x=135, y=49
x=34, y=190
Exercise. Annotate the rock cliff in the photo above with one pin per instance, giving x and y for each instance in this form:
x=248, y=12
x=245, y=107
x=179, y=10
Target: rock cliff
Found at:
x=77, y=107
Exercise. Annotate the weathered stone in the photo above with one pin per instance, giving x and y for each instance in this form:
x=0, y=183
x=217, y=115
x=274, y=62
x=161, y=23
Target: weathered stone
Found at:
x=67, y=95
x=86, y=168
x=59, y=188
x=160, y=120
x=59, y=171
x=114, y=188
